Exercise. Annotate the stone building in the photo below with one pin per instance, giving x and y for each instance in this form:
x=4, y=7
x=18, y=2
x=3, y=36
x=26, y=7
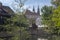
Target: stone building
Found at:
x=34, y=16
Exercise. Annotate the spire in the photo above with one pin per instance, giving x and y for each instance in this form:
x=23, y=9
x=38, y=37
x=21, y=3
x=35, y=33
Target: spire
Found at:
x=33, y=9
x=38, y=10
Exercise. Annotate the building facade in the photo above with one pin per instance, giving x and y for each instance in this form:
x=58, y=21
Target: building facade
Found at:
x=33, y=16
x=5, y=12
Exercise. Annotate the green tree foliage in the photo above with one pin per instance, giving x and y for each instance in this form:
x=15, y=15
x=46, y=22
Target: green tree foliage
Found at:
x=55, y=2
x=46, y=16
x=56, y=20
x=20, y=20
x=16, y=26
x=51, y=17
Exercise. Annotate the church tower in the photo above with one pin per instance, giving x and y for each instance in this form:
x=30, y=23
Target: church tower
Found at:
x=38, y=10
x=33, y=9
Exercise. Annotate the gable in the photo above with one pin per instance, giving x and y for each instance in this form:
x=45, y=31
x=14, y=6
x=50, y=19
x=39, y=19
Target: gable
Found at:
x=30, y=14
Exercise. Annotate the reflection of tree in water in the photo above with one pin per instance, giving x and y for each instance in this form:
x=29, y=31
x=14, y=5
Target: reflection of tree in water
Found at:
x=33, y=31
x=33, y=37
x=34, y=26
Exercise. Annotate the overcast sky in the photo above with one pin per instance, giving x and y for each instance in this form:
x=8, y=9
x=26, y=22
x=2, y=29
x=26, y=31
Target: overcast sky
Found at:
x=28, y=4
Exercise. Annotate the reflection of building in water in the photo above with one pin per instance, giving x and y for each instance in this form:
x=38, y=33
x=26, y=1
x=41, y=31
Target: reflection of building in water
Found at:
x=33, y=16
x=38, y=34
x=42, y=39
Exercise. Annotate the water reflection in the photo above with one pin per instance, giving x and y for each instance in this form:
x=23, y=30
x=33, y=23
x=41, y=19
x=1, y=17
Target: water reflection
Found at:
x=42, y=35
x=41, y=39
x=50, y=38
x=35, y=37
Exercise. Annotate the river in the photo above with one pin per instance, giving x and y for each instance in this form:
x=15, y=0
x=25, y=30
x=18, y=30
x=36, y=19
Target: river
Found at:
x=41, y=39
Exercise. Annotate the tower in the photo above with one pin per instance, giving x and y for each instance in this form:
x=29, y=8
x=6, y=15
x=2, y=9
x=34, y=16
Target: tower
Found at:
x=38, y=10
x=33, y=9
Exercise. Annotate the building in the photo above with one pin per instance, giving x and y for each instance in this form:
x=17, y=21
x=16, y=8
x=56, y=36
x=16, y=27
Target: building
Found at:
x=34, y=16
x=5, y=11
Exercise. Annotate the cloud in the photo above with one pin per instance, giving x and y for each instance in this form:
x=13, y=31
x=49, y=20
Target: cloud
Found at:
x=28, y=4
x=7, y=2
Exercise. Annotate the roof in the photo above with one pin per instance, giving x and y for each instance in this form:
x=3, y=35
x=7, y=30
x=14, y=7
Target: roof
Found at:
x=28, y=12
x=8, y=9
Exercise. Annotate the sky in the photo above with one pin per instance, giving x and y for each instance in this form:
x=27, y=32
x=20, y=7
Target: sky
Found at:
x=28, y=4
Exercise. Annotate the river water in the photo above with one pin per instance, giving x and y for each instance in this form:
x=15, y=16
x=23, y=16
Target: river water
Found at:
x=41, y=39
x=34, y=37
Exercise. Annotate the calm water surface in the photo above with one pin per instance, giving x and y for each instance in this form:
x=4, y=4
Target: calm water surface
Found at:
x=41, y=39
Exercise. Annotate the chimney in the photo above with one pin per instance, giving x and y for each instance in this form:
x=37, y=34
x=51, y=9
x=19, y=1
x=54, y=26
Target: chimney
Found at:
x=0, y=5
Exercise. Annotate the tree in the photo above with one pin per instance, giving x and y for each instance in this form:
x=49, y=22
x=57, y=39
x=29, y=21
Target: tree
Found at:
x=17, y=26
x=46, y=16
x=19, y=22
x=18, y=5
x=20, y=2
x=56, y=20
x=51, y=18
x=55, y=2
